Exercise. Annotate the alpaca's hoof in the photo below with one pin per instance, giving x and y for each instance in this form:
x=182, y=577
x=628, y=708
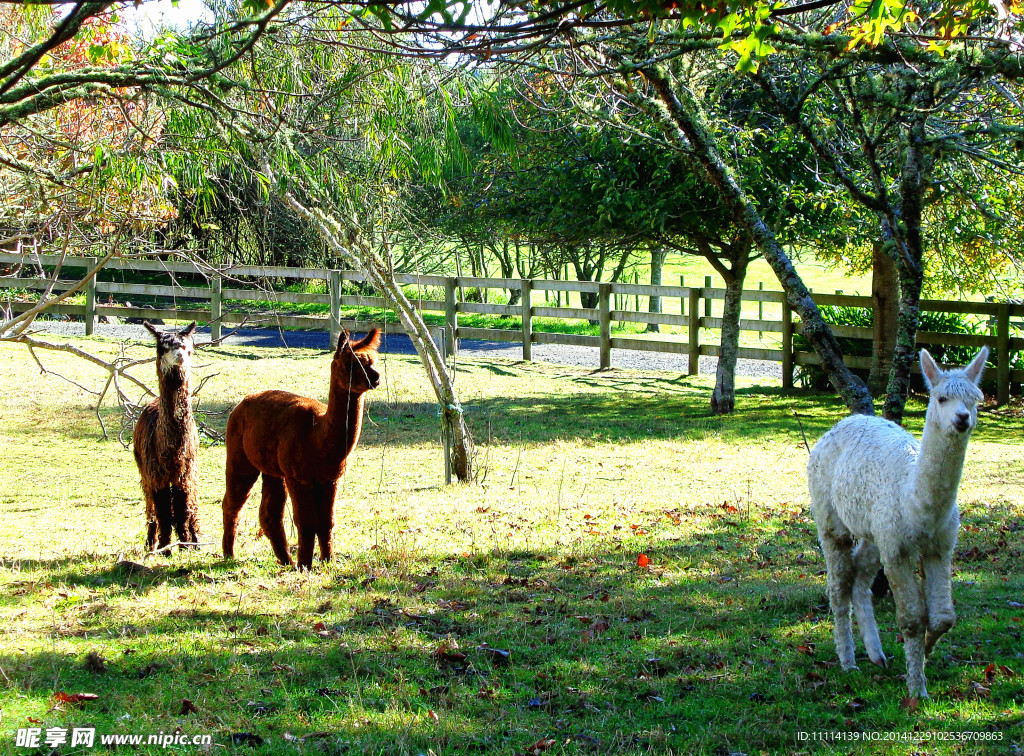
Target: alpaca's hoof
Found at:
x=849, y=667
x=881, y=661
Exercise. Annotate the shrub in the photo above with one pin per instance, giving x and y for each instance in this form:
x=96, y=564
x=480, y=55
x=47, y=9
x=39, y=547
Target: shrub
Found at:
x=812, y=376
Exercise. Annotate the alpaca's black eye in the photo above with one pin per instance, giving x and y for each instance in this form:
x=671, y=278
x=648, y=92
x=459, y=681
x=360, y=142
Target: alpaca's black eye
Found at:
x=942, y=399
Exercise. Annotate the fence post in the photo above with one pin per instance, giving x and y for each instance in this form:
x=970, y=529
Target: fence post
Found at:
x=90, y=297
x=693, y=368
x=707, y=300
x=1003, y=346
x=787, y=345
x=760, y=308
x=604, y=304
x=526, y=301
x=451, y=317
x=334, y=284
x=216, y=312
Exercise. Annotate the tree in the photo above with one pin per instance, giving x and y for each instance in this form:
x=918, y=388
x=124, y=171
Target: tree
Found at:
x=336, y=133
x=888, y=134
x=858, y=33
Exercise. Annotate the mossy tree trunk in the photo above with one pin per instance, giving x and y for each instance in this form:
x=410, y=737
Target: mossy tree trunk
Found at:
x=351, y=245
x=658, y=255
x=904, y=241
x=682, y=120
x=886, y=297
x=723, y=398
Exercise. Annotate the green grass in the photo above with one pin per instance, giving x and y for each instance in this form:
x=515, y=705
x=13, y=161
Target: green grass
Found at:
x=722, y=646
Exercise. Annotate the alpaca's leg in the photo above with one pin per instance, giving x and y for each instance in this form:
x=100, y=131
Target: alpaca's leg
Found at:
x=241, y=477
x=325, y=519
x=304, y=509
x=162, y=505
x=272, y=517
x=939, y=597
x=184, y=516
x=865, y=557
x=151, y=517
x=841, y=574
x=191, y=504
x=912, y=618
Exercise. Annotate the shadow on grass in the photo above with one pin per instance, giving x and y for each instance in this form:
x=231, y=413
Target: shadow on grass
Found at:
x=732, y=652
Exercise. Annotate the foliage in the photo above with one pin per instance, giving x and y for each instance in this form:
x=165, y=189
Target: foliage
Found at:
x=812, y=376
x=85, y=167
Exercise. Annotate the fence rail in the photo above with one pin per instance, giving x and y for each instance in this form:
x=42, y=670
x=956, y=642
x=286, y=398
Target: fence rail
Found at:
x=695, y=305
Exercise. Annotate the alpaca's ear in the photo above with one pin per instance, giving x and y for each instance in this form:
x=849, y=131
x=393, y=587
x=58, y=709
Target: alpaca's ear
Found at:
x=187, y=331
x=342, y=340
x=977, y=366
x=151, y=328
x=369, y=343
x=930, y=368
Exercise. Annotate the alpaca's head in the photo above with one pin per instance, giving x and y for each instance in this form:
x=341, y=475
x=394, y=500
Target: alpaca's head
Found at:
x=355, y=362
x=174, y=349
x=953, y=407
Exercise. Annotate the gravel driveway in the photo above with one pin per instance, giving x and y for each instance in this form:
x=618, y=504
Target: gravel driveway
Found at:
x=558, y=354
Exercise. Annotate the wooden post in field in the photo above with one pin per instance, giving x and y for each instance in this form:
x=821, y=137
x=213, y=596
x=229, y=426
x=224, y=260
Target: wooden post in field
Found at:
x=90, y=297
x=787, y=345
x=708, y=298
x=682, y=300
x=334, y=283
x=216, y=289
x=604, y=304
x=1003, y=349
x=693, y=368
x=526, y=296
x=760, y=308
x=451, y=317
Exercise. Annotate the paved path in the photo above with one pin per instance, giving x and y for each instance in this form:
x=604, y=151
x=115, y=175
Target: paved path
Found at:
x=559, y=354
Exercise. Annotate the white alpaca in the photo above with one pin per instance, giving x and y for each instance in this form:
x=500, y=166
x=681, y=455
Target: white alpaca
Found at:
x=879, y=497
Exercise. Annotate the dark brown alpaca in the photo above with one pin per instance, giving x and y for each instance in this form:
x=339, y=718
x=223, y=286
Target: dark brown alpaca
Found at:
x=302, y=447
x=166, y=442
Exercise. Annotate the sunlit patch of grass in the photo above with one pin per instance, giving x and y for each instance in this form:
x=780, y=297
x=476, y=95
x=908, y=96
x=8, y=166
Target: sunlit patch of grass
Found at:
x=722, y=645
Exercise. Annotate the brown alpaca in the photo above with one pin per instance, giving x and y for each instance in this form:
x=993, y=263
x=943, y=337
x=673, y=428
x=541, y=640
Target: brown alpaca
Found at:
x=300, y=446
x=166, y=442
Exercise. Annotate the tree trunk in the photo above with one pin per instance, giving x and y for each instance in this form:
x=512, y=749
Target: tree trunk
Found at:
x=723, y=398
x=584, y=272
x=680, y=117
x=508, y=270
x=907, y=248
x=905, y=352
x=654, y=304
x=349, y=245
x=886, y=296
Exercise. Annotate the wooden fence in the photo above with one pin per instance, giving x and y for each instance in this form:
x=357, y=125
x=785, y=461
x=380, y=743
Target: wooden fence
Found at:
x=240, y=284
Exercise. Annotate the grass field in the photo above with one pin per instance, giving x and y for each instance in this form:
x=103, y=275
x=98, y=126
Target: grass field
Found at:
x=509, y=616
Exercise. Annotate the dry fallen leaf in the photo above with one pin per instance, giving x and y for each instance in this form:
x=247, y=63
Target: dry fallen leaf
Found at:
x=990, y=672
x=643, y=562
x=448, y=652
x=498, y=656
x=598, y=626
x=910, y=703
x=60, y=697
x=539, y=747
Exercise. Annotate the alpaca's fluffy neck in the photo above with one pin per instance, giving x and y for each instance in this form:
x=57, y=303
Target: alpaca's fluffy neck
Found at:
x=940, y=463
x=175, y=401
x=344, y=419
